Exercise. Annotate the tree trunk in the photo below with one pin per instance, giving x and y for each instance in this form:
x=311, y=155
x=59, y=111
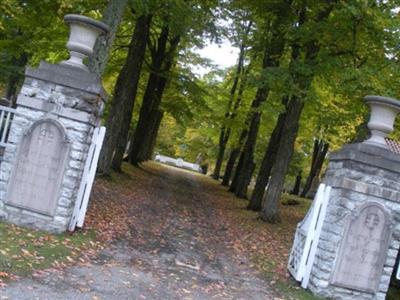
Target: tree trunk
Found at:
x=124, y=96
x=236, y=175
x=319, y=154
x=266, y=165
x=152, y=129
x=121, y=146
x=270, y=205
x=296, y=188
x=15, y=78
x=161, y=65
x=148, y=124
x=225, y=132
x=247, y=157
x=238, y=148
x=230, y=114
x=220, y=156
x=235, y=152
x=272, y=54
x=150, y=149
x=230, y=165
x=158, y=57
x=394, y=281
x=112, y=17
x=249, y=175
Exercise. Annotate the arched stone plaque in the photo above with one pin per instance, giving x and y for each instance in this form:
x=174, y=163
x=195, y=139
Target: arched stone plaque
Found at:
x=364, y=249
x=39, y=167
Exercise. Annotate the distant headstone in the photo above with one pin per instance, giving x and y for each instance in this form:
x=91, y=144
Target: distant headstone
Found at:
x=39, y=168
x=363, y=250
x=179, y=162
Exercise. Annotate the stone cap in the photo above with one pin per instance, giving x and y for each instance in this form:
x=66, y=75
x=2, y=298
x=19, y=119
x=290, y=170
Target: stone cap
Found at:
x=68, y=76
x=370, y=155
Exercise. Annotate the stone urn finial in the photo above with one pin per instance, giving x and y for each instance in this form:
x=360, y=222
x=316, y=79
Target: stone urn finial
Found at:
x=383, y=114
x=83, y=34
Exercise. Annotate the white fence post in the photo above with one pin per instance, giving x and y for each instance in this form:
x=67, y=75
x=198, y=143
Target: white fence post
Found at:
x=306, y=238
x=88, y=175
x=320, y=216
x=398, y=272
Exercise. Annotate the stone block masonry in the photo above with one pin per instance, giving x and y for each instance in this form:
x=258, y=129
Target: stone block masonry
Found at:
x=360, y=236
x=57, y=110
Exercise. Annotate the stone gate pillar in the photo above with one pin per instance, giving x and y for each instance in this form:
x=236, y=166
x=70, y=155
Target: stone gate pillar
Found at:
x=57, y=110
x=360, y=235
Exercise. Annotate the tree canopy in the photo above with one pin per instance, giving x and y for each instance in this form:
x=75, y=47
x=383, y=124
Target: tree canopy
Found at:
x=323, y=56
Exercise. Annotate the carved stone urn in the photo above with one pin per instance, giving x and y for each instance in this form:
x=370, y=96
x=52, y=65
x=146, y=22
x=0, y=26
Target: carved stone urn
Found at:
x=83, y=34
x=383, y=114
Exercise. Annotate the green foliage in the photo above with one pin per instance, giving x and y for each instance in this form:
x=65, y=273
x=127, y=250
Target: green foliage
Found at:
x=358, y=55
x=351, y=55
x=35, y=30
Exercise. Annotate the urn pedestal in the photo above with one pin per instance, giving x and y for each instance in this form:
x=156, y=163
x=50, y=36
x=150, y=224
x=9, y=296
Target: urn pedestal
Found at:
x=58, y=108
x=383, y=113
x=354, y=250
x=360, y=235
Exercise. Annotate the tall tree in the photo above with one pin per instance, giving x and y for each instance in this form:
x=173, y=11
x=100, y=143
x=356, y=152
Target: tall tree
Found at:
x=230, y=165
x=151, y=123
x=235, y=151
x=125, y=92
x=148, y=150
x=162, y=55
x=231, y=108
x=267, y=163
x=319, y=153
x=296, y=187
x=172, y=33
x=309, y=50
x=273, y=50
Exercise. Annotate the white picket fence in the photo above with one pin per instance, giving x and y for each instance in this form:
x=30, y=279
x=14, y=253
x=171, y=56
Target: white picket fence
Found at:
x=306, y=238
x=88, y=175
x=180, y=163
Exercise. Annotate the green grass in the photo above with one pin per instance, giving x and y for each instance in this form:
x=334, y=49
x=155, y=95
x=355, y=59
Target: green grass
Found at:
x=294, y=291
x=24, y=250
x=393, y=293
x=290, y=289
x=302, y=204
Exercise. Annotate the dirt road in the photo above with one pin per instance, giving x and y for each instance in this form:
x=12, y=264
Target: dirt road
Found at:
x=177, y=248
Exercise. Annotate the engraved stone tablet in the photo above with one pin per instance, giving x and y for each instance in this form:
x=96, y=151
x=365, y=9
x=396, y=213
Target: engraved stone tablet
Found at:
x=39, y=168
x=363, y=250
